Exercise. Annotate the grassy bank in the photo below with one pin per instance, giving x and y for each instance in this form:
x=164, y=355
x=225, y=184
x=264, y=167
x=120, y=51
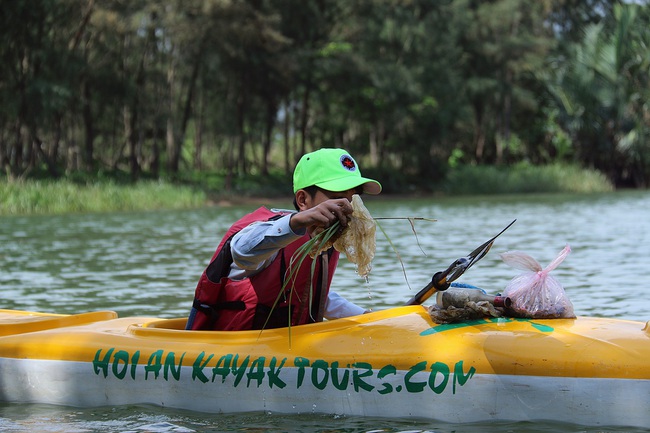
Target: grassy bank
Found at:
x=525, y=178
x=56, y=197
x=64, y=196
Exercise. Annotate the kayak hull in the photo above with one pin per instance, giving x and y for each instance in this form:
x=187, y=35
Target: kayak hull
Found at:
x=395, y=363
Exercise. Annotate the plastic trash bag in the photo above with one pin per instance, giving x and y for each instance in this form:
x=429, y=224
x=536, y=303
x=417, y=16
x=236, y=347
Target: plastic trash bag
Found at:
x=537, y=294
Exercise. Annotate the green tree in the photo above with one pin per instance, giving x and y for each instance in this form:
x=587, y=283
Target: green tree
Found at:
x=602, y=89
x=505, y=43
x=38, y=81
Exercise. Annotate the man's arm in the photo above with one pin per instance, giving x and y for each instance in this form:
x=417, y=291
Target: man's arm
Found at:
x=255, y=246
x=338, y=307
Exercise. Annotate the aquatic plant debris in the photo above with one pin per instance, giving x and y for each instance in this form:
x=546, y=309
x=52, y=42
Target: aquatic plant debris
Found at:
x=358, y=240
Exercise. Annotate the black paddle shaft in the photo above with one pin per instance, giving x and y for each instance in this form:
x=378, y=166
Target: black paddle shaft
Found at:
x=438, y=283
x=442, y=280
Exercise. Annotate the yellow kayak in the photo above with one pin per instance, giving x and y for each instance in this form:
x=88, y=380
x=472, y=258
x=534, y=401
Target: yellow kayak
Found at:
x=394, y=363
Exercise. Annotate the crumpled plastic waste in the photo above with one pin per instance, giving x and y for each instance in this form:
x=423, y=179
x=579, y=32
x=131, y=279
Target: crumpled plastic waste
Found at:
x=463, y=302
x=536, y=294
x=358, y=240
x=471, y=311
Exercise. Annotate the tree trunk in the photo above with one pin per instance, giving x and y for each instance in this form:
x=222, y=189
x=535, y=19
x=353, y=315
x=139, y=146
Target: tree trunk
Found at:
x=375, y=139
x=132, y=140
x=506, y=113
x=154, y=166
x=230, y=165
x=288, y=164
x=198, y=134
x=37, y=145
x=241, y=136
x=271, y=113
x=173, y=152
x=56, y=140
x=89, y=128
x=131, y=119
x=479, y=134
x=304, y=117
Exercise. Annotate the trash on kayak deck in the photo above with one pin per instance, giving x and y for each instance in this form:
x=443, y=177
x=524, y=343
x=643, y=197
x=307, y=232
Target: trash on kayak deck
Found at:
x=459, y=303
x=537, y=294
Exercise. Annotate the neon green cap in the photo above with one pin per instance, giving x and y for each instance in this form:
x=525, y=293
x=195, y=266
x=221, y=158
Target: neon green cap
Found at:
x=331, y=170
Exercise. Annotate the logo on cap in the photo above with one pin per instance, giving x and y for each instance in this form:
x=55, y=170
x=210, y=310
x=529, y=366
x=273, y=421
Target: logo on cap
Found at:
x=348, y=163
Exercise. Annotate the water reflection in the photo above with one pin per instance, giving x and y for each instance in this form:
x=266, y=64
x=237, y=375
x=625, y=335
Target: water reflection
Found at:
x=148, y=263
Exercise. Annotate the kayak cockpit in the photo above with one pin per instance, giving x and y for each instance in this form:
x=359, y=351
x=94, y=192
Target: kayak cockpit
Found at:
x=177, y=324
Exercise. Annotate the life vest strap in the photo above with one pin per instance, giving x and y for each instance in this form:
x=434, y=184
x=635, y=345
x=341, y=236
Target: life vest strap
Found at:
x=212, y=311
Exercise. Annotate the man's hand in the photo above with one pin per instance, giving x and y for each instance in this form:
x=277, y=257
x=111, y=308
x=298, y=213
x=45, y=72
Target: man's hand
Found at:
x=322, y=216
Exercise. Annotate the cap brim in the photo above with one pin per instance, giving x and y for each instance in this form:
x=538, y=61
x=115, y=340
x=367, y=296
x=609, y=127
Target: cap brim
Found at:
x=370, y=186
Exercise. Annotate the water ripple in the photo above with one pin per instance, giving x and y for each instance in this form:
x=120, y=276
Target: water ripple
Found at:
x=147, y=263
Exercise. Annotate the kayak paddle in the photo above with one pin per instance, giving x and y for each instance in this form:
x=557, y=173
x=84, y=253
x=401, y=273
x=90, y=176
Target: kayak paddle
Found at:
x=442, y=280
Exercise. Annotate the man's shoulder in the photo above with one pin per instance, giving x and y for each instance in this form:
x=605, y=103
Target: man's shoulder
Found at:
x=264, y=214
x=261, y=214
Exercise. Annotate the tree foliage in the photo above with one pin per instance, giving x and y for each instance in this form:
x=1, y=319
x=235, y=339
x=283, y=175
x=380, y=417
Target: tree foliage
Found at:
x=158, y=89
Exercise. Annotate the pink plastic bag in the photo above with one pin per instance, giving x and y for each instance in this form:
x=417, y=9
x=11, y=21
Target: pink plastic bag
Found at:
x=537, y=294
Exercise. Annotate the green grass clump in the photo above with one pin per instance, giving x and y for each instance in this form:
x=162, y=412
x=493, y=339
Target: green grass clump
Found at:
x=525, y=178
x=57, y=197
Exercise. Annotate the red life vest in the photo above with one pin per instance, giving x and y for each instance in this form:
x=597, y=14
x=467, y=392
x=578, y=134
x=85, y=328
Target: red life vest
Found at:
x=262, y=301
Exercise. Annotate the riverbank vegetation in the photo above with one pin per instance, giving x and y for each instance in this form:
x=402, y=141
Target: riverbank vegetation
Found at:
x=66, y=196
x=224, y=97
x=525, y=178
x=63, y=196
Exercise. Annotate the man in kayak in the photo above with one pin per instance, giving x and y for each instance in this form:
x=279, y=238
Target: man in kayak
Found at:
x=250, y=282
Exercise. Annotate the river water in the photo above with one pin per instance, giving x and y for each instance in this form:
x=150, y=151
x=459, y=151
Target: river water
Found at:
x=148, y=263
